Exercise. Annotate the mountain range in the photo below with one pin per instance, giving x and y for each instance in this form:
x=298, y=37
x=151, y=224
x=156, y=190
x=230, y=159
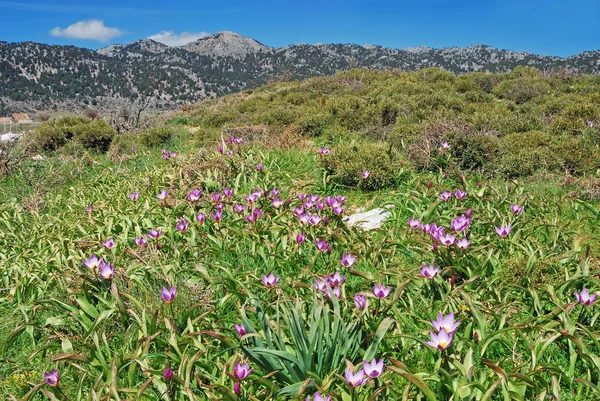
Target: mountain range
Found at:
x=36, y=76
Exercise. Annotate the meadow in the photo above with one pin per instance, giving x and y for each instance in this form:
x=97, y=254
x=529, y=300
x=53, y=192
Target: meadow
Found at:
x=207, y=257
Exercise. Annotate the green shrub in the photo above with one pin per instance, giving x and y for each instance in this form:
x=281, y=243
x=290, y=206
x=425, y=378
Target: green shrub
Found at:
x=180, y=120
x=279, y=115
x=352, y=112
x=347, y=162
x=91, y=134
x=313, y=124
x=473, y=150
x=521, y=90
x=73, y=148
x=435, y=75
x=464, y=84
x=156, y=136
x=122, y=144
x=219, y=117
x=574, y=117
x=484, y=81
x=96, y=135
x=576, y=155
x=520, y=122
x=522, y=154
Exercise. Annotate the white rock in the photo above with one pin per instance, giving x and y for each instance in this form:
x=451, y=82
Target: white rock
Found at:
x=369, y=220
x=9, y=137
x=38, y=158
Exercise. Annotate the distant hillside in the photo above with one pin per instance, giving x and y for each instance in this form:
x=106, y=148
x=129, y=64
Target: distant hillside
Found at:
x=36, y=76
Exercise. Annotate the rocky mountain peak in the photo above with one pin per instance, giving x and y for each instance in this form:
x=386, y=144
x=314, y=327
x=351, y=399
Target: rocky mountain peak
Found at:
x=226, y=44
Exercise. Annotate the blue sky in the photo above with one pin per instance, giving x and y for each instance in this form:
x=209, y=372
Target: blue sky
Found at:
x=553, y=27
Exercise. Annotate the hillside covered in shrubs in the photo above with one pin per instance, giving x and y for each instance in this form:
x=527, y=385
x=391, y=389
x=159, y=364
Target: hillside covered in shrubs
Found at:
x=510, y=125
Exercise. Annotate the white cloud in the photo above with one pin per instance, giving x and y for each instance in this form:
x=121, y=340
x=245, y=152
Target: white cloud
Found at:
x=170, y=38
x=91, y=29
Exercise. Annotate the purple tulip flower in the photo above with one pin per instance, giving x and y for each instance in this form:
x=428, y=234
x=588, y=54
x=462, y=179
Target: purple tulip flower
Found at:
x=447, y=239
x=52, y=378
x=106, y=271
x=446, y=196
x=217, y=216
x=155, y=233
x=201, y=218
x=460, y=223
x=194, y=195
x=365, y=174
x=134, y=196
x=373, y=369
x=162, y=195
x=348, y=260
x=140, y=241
x=381, y=291
x=109, y=243
x=240, y=329
x=360, y=301
x=320, y=284
x=239, y=208
x=463, y=243
x=314, y=219
x=300, y=238
x=584, y=297
x=355, y=379
x=182, y=224
x=92, y=262
x=270, y=280
x=168, y=295
x=446, y=323
x=516, y=209
x=503, y=230
x=414, y=223
x=430, y=271
x=318, y=397
x=440, y=341
x=168, y=374
x=241, y=371
x=322, y=246
x=338, y=210
x=459, y=194
x=336, y=280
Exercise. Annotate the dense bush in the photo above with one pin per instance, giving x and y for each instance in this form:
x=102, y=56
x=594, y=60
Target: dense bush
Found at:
x=156, y=136
x=122, y=144
x=347, y=163
x=91, y=134
x=313, y=124
x=575, y=117
x=522, y=154
x=521, y=90
x=473, y=150
x=95, y=134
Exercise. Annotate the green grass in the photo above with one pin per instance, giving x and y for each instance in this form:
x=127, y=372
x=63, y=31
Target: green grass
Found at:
x=522, y=334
